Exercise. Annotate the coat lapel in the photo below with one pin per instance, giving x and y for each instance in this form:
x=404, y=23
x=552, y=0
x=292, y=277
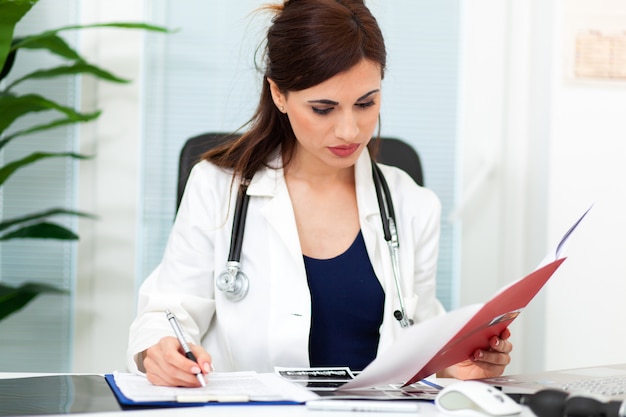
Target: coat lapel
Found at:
x=270, y=183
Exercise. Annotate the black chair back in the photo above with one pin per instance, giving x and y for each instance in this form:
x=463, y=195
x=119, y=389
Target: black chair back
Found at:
x=392, y=151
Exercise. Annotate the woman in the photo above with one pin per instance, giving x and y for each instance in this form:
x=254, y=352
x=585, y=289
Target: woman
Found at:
x=321, y=290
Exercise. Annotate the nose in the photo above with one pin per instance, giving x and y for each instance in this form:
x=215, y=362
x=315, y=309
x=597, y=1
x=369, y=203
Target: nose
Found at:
x=347, y=127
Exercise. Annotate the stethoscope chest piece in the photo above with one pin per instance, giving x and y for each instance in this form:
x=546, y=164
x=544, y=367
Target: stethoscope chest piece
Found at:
x=233, y=282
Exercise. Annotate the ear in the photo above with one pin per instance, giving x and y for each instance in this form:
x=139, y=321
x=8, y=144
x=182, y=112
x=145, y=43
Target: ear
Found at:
x=278, y=96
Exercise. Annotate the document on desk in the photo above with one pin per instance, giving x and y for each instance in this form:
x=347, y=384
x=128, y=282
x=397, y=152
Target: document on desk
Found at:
x=327, y=383
x=437, y=343
x=221, y=387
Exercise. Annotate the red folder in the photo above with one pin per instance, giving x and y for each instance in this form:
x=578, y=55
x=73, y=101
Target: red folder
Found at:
x=495, y=316
x=437, y=343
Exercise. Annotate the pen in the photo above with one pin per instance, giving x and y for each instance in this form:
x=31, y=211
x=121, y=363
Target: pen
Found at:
x=181, y=338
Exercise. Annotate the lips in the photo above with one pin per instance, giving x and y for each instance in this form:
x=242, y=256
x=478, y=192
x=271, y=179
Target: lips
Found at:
x=344, y=150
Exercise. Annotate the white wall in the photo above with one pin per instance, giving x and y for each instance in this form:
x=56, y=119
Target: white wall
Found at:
x=559, y=146
x=536, y=150
x=497, y=197
x=108, y=187
x=587, y=151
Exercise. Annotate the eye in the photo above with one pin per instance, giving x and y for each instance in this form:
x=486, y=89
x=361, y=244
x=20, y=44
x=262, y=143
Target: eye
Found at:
x=322, y=111
x=366, y=104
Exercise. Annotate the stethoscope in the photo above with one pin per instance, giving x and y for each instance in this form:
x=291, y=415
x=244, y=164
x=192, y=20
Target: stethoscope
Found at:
x=234, y=283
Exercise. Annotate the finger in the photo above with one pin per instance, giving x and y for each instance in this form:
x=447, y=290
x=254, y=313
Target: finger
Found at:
x=500, y=345
x=158, y=374
x=505, y=334
x=205, y=361
x=181, y=370
x=490, y=357
x=165, y=365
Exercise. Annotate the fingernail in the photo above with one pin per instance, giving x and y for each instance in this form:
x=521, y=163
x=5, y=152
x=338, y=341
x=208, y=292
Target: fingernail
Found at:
x=479, y=354
x=497, y=342
x=207, y=367
x=195, y=370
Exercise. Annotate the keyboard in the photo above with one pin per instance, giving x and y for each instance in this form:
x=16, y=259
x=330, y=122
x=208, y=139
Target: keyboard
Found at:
x=609, y=387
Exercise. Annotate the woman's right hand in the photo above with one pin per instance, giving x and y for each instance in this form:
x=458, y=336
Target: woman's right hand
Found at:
x=166, y=364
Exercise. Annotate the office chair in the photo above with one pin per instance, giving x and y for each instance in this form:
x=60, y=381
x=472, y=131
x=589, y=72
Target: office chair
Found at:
x=392, y=151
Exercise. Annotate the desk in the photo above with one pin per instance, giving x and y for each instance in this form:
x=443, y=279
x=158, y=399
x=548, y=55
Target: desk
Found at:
x=427, y=409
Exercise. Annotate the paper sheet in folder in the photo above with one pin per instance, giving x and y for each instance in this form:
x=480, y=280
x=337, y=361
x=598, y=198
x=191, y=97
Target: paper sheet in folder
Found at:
x=437, y=343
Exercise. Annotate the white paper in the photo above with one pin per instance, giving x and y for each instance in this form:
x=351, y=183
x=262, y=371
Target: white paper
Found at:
x=226, y=385
x=413, y=349
x=560, y=247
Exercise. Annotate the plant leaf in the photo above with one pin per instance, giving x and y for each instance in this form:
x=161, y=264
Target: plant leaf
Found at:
x=54, y=44
x=12, y=12
x=40, y=215
x=7, y=170
x=38, y=38
x=8, y=65
x=13, y=299
x=80, y=67
x=13, y=107
x=42, y=230
x=46, y=126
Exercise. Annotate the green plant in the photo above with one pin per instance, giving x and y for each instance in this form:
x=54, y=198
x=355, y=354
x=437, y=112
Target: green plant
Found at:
x=14, y=106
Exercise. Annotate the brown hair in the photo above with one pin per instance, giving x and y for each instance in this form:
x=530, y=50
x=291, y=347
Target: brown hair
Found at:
x=308, y=42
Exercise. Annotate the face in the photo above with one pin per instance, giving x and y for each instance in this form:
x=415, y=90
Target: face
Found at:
x=334, y=121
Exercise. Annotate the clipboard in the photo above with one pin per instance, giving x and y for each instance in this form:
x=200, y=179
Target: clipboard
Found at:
x=190, y=401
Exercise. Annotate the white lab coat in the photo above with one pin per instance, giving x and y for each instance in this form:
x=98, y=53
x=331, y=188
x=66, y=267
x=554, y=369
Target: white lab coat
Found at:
x=270, y=326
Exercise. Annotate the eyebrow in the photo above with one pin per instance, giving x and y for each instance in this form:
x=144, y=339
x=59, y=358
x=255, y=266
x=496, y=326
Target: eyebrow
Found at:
x=334, y=103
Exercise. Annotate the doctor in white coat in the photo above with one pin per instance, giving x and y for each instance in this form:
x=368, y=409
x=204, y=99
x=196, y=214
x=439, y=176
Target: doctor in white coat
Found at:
x=312, y=206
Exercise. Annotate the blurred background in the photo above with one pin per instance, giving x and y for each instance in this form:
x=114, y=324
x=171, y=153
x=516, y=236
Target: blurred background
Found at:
x=516, y=109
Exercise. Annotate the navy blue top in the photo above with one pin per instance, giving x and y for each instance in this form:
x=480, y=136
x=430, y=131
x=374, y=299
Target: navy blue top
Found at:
x=347, y=303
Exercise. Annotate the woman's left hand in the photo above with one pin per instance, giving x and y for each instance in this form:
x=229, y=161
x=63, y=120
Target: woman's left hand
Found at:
x=485, y=363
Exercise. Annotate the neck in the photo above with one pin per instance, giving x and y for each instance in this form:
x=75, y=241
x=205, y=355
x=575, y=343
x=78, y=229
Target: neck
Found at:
x=313, y=170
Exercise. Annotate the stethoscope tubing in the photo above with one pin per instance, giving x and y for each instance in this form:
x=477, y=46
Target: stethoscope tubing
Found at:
x=388, y=218
x=384, y=200
x=239, y=223
x=234, y=283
